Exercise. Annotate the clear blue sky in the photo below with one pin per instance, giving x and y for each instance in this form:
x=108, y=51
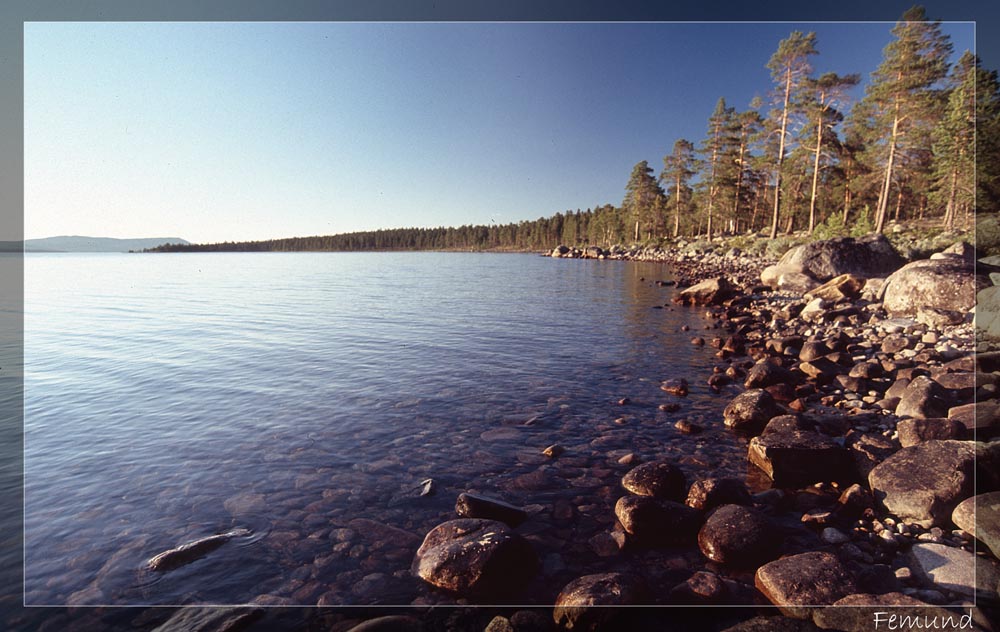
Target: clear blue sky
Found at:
x=238, y=131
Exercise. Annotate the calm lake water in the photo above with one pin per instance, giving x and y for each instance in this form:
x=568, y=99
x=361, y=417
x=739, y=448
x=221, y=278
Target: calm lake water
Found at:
x=306, y=396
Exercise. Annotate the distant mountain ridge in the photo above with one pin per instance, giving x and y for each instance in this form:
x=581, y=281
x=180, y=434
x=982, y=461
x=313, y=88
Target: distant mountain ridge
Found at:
x=76, y=243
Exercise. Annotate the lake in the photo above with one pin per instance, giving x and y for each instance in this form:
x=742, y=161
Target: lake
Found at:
x=307, y=396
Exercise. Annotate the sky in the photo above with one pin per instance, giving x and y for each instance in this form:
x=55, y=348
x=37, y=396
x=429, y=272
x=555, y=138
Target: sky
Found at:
x=217, y=131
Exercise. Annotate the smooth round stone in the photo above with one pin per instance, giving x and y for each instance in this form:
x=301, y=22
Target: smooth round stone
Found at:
x=574, y=607
x=738, y=536
x=712, y=492
x=659, y=479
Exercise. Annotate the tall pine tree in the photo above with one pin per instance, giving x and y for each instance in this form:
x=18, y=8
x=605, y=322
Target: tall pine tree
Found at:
x=679, y=166
x=641, y=193
x=789, y=68
x=822, y=98
x=902, y=103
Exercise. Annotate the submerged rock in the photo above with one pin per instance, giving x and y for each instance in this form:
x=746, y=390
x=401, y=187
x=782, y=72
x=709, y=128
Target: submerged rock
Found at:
x=474, y=506
x=191, y=551
x=474, y=556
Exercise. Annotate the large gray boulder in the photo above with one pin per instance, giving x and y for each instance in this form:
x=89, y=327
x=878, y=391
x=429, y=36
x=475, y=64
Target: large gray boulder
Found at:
x=820, y=261
x=949, y=283
x=980, y=517
x=797, y=582
x=471, y=555
x=856, y=613
x=956, y=570
x=924, y=483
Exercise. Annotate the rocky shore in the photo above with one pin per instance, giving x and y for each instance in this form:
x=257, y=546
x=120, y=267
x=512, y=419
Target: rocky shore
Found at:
x=871, y=484
x=870, y=412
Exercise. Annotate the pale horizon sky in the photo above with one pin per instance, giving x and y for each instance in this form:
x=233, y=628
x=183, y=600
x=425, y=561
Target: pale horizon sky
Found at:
x=238, y=131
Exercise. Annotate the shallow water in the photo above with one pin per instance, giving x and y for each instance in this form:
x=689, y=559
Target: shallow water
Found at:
x=306, y=396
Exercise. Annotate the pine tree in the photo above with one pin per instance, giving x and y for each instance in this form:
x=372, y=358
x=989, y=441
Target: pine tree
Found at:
x=640, y=195
x=749, y=125
x=678, y=168
x=789, y=68
x=902, y=103
x=719, y=150
x=822, y=98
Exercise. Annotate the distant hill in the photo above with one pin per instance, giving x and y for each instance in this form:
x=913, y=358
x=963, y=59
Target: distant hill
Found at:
x=96, y=244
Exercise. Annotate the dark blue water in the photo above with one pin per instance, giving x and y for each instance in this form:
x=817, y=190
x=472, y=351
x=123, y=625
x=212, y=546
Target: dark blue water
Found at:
x=306, y=396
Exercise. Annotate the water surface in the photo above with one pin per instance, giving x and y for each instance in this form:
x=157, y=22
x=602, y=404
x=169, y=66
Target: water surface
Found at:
x=306, y=396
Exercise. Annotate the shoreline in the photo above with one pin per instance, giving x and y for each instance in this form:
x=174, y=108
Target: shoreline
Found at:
x=743, y=337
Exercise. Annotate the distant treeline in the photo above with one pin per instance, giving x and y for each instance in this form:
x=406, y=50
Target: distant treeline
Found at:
x=923, y=143
x=602, y=225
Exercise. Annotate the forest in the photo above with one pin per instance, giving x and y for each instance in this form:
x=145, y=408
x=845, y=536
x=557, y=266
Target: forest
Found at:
x=923, y=143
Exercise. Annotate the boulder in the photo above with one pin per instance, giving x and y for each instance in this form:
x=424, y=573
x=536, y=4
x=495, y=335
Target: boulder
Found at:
x=750, y=411
x=914, y=431
x=709, y=493
x=559, y=251
x=475, y=556
x=871, y=256
x=708, y=292
x=813, y=350
x=987, y=318
x=840, y=288
x=856, y=613
x=659, y=479
x=956, y=570
x=868, y=450
x=787, y=278
x=979, y=516
x=764, y=374
x=657, y=522
x=796, y=458
x=474, y=506
x=923, y=398
x=923, y=483
x=949, y=284
x=574, y=607
x=739, y=536
x=701, y=588
x=797, y=582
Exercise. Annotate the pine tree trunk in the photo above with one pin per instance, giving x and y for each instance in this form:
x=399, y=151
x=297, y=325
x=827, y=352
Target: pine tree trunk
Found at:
x=883, y=197
x=677, y=215
x=739, y=184
x=949, y=211
x=812, y=195
x=899, y=204
x=781, y=154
